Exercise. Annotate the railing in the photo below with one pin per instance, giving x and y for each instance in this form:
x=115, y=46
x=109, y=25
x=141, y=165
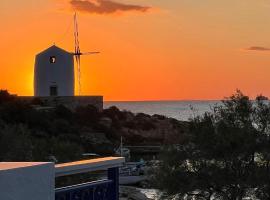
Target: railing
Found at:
x=106, y=189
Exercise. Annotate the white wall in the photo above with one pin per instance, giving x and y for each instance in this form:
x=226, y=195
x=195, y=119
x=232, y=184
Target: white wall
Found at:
x=27, y=181
x=60, y=73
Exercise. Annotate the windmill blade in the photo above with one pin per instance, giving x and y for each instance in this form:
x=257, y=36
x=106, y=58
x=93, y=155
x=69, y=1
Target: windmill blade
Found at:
x=77, y=52
x=76, y=36
x=89, y=53
x=78, y=67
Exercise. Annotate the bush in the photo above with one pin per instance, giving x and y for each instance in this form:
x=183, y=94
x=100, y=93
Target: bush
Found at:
x=5, y=97
x=87, y=115
x=226, y=155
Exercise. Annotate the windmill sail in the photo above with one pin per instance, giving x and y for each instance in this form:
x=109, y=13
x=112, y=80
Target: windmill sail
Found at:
x=78, y=53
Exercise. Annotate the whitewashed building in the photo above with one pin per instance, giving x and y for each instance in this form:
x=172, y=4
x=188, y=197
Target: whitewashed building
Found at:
x=36, y=180
x=54, y=73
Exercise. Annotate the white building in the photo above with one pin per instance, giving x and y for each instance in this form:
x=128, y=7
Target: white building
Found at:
x=54, y=73
x=36, y=180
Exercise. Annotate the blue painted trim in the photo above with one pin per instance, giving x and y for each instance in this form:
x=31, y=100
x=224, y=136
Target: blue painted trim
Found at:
x=83, y=186
x=107, y=189
x=113, y=174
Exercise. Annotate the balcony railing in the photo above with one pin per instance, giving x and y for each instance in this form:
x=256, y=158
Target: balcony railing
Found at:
x=106, y=189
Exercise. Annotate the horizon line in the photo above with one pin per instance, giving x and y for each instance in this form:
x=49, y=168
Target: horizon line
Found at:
x=163, y=100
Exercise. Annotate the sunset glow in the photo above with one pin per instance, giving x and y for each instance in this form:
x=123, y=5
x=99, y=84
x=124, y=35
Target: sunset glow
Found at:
x=150, y=49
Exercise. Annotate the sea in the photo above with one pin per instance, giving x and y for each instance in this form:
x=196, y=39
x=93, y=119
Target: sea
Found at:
x=181, y=110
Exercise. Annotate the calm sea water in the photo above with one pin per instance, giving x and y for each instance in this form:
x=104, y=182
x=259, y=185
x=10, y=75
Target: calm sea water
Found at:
x=181, y=110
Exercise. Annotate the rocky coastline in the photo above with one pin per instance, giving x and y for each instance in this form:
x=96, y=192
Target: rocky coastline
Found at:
x=68, y=134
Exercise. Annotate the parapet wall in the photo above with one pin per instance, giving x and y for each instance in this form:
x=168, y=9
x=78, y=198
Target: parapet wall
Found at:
x=27, y=181
x=69, y=101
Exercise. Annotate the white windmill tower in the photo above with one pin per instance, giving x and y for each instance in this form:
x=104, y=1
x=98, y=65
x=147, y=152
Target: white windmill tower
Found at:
x=54, y=69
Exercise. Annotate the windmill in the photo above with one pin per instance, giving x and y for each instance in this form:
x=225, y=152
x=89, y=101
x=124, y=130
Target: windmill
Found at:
x=77, y=53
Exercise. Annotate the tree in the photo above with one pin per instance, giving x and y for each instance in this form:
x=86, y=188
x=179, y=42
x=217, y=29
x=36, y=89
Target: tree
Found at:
x=261, y=98
x=226, y=155
x=15, y=143
x=87, y=115
x=5, y=97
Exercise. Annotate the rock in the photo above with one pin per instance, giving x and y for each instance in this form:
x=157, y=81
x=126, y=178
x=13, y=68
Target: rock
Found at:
x=106, y=122
x=131, y=193
x=143, y=129
x=97, y=142
x=160, y=131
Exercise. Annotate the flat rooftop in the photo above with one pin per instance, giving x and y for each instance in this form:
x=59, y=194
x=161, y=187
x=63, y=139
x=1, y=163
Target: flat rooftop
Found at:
x=88, y=165
x=13, y=165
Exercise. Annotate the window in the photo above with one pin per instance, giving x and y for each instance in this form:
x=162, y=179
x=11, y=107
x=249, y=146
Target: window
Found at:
x=53, y=90
x=52, y=59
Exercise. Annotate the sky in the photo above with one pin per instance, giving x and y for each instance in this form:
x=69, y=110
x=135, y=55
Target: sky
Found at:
x=150, y=49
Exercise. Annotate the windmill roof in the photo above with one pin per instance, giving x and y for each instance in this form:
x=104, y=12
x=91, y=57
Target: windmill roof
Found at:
x=53, y=47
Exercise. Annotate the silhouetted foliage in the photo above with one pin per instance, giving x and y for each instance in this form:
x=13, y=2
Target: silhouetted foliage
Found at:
x=5, y=97
x=36, y=101
x=141, y=121
x=30, y=134
x=15, y=143
x=64, y=113
x=261, y=98
x=87, y=115
x=226, y=156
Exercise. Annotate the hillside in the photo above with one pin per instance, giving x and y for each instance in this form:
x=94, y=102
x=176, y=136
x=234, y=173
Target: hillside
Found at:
x=29, y=133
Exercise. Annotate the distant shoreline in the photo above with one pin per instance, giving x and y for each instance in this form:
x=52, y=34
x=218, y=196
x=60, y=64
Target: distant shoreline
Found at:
x=132, y=101
x=180, y=110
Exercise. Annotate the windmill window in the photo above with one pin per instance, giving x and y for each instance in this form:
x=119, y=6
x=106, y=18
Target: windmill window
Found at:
x=52, y=59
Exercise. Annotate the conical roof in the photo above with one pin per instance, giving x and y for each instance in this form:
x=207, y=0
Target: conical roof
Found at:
x=53, y=48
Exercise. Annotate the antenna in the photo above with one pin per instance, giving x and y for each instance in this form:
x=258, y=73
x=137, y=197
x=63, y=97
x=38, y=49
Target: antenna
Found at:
x=77, y=53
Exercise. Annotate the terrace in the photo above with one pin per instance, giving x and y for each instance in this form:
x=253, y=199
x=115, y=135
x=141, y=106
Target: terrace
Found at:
x=36, y=180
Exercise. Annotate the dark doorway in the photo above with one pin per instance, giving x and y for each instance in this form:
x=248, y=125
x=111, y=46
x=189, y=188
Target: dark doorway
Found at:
x=53, y=90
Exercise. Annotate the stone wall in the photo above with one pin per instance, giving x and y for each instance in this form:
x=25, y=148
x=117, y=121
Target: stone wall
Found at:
x=69, y=101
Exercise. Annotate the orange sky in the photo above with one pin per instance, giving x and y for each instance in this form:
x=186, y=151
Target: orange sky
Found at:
x=151, y=49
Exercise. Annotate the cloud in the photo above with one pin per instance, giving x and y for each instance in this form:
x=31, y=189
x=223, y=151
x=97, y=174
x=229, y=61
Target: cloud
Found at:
x=105, y=6
x=258, y=48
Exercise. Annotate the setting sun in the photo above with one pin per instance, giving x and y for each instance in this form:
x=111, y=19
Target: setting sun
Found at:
x=150, y=50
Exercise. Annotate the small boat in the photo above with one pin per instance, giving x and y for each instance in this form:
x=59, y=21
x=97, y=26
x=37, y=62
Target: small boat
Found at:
x=131, y=180
x=122, y=151
x=132, y=172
